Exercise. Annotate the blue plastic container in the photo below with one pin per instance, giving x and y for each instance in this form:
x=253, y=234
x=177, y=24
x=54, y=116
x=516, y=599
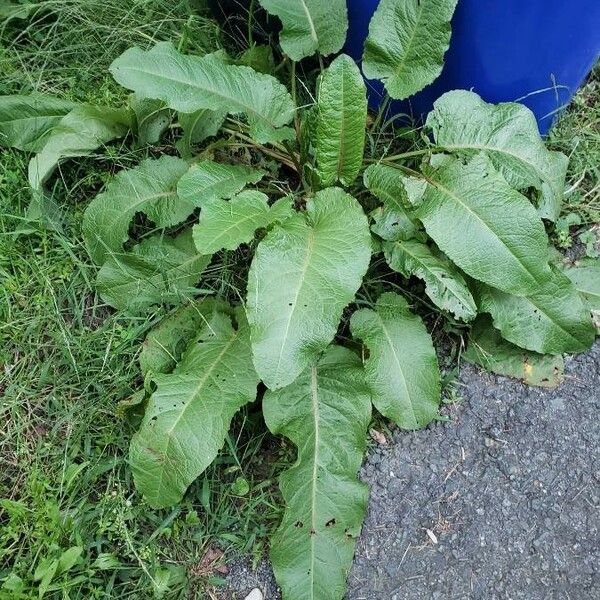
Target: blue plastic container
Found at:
x=535, y=51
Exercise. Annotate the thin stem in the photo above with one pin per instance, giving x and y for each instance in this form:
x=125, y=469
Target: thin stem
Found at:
x=281, y=65
x=382, y=110
x=395, y=157
x=241, y=132
x=321, y=63
x=293, y=83
x=250, y=18
x=294, y=157
x=409, y=171
x=292, y=164
x=295, y=98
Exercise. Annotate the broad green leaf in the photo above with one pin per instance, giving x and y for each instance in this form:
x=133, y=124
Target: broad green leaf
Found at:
x=78, y=133
x=258, y=57
x=208, y=181
x=325, y=413
x=304, y=273
x=444, y=283
x=463, y=123
x=68, y=559
x=225, y=224
x=46, y=211
x=487, y=228
x=387, y=184
x=191, y=83
x=13, y=583
x=159, y=270
x=165, y=344
x=341, y=121
x=197, y=127
x=415, y=190
x=406, y=44
x=152, y=119
x=551, y=197
x=49, y=567
x=188, y=416
x=402, y=369
x=487, y=349
x=393, y=224
x=149, y=188
x=25, y=121
x=585, y=275
x=552, y=320
x=310, y=26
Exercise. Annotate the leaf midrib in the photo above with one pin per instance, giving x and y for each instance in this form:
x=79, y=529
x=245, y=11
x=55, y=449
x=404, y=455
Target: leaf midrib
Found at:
x=424, y=265
x=487, y=226
x=314, y=389
x=341, y=146
x=311, y=24
x=301, y=279
x=399, y=365
x=34, y=118
x=402, y=63
x=244, y=108
x=201, y=382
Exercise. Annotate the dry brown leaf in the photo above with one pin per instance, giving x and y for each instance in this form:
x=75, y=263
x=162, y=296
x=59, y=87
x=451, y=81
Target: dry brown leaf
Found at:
x=378, y=437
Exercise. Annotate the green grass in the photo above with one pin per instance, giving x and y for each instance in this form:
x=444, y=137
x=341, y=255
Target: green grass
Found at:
x=66, y=47
x=578, y=136
x=66, y=360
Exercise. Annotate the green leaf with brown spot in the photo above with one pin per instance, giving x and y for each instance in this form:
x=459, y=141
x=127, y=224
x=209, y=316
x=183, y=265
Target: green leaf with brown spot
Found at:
x=325, y=413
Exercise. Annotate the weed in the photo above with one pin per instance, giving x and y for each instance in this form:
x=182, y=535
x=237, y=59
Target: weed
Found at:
x=71, y=523
x=66, y=359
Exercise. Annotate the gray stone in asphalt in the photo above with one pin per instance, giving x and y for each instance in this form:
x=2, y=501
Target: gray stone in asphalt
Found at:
x=508, y=487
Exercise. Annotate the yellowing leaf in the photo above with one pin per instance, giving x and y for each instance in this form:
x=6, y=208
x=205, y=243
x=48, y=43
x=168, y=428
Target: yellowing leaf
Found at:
x=552, y=320
x=487, y=349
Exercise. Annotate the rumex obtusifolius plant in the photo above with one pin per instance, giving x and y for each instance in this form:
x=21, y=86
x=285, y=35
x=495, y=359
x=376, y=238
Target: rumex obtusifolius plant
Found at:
x=464, y=215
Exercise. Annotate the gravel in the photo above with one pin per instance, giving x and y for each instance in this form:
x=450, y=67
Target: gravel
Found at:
x=499, y=502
